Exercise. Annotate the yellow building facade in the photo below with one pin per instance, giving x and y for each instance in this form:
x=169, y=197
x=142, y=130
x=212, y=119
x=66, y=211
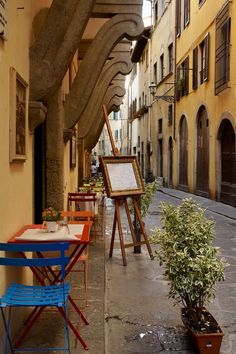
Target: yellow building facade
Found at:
x=204, y=153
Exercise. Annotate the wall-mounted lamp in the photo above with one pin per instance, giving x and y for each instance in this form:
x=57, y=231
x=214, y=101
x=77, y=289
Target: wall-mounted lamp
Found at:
x=166, y=97
x=152, y=88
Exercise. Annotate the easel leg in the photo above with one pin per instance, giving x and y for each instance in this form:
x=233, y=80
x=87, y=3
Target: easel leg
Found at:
x=136, y=209
x=122, y=246
x=130, y=222
x=113, y=235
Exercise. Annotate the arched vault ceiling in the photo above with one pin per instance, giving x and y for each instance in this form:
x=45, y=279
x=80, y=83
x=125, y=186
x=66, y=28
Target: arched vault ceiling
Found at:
x=113, y=98
x=113, y=31
x=107, y=8
x=84, y=45
x=119, y=64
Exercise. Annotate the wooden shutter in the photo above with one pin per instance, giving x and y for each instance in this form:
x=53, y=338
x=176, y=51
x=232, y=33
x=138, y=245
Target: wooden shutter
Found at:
x=222, y=53
x=206, y=71
x=186, y=76
x=178, y=17
x=177, y=88
x=195, y=68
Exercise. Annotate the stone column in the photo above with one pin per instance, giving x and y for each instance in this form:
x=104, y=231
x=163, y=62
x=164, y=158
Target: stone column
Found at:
x=54, y=151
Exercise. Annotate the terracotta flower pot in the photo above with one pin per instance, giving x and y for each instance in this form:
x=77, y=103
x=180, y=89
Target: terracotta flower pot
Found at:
x=205, y=343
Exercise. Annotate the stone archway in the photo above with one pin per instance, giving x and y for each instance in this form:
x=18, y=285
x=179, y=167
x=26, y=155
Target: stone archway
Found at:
x=202, y=150
x=226, y=137
x=183, y=154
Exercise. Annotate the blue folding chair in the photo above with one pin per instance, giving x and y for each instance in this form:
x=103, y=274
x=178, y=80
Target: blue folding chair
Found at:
x=19, y=295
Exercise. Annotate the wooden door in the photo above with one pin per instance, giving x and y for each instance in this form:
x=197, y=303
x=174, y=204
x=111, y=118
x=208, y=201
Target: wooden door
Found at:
x=228, y=165
x=160, y=158
x=183, y=154
x=202, y=182
x=170, y=162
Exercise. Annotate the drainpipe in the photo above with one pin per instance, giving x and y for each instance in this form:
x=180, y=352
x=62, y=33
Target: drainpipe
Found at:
x=175, y=76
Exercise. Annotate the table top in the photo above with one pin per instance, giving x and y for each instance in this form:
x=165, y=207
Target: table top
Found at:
x=79, y=234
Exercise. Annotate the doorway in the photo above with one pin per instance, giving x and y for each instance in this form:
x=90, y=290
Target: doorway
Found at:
x=202, y=163
x=183, y=154
x=228, y=163
x=170, y=162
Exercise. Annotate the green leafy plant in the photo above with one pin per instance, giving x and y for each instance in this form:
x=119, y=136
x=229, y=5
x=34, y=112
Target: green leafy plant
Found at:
x=51, y=214
x=146, y=198
x=192, y=264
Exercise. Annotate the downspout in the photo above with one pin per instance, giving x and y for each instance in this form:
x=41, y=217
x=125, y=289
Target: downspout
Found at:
x=175, y=75
x=150, y=72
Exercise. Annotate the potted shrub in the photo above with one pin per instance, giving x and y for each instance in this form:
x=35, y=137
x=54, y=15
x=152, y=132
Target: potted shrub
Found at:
x=192, y=268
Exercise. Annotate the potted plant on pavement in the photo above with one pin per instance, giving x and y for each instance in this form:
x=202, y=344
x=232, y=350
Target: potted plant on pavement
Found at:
x=192, y=268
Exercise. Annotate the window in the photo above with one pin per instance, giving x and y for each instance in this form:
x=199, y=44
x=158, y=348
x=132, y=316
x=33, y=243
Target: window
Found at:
x=134, y=71
x=170, y=115
x=170, y=58
x=222, y=55
x=186, y=12
x=178, y=17
x=162, y=67
x=162, y=5
x=116, y=134
x=182, y=15
x=204, y=62
x=138, y=143
x=155, y=73
x=155, y=12
x=200, y=2
x=201, y=58
x=115, y=115
x=160, y=126
x=182, y=86
x=146, y=58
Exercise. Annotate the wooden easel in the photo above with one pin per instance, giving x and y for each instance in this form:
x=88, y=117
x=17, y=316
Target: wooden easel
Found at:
x=122, y=201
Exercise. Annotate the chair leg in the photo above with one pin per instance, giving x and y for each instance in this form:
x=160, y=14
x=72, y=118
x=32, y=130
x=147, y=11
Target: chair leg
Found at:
x=86, y=282
x=6, y=327
x=66, y=331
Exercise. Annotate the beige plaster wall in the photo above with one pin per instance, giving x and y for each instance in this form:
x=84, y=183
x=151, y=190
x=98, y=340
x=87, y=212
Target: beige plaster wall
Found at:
x=16, y=186
x=16, y=177
x=163, y=35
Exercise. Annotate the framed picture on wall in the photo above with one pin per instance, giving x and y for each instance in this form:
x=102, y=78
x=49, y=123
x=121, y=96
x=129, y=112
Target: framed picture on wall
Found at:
x=73, y=151
x=18, y=117
x=121, y=175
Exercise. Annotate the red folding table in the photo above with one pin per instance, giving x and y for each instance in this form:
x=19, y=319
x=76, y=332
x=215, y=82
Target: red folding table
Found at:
x=80, y=240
